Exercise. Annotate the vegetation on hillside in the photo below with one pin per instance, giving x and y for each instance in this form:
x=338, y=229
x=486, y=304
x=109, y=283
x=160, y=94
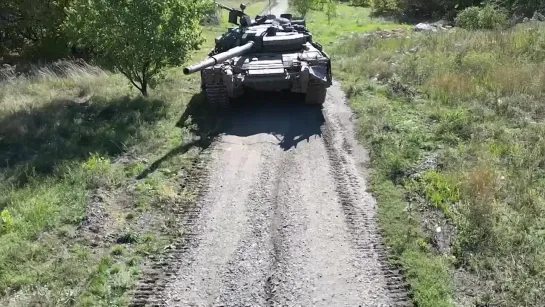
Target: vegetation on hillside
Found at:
x=453, y=121
x=31, y=30
x=137, y=38
x=435, y=9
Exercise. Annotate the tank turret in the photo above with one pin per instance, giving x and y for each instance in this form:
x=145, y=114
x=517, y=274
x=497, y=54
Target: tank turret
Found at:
x=266, y=53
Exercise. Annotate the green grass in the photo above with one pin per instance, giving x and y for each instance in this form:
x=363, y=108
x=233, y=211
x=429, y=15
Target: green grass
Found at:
x=89, y=174
x=348, y=20
x=453, y=122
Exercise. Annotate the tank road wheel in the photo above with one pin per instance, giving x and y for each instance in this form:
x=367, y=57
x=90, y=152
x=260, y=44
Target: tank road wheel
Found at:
x=315, y=95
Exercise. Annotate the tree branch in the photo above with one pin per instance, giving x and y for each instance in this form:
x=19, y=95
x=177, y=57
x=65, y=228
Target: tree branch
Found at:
x=130, y=79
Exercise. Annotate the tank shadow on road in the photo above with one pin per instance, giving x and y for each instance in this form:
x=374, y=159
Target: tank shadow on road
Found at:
x=281, y=114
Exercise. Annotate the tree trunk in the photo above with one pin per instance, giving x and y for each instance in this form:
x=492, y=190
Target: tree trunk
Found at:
x=144, y=82
x=144, y=88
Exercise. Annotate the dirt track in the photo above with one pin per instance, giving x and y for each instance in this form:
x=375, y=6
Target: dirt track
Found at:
x=285, y=219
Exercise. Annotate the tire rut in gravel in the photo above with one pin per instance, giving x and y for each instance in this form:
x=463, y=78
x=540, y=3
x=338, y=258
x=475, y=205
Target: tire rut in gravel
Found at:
x=155, y=277
x=359, y=206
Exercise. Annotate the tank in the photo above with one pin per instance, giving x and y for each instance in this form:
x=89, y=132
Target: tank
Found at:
x=266, y=53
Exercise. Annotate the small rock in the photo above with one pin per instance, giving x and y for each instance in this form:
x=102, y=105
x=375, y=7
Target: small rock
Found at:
x=94, y=229
x=424, y=27
x=166, y=171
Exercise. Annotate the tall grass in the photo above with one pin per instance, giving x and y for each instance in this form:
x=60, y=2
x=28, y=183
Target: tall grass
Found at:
x=478, y=115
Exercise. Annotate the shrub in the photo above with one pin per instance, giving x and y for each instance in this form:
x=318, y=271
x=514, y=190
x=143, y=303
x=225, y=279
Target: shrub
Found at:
x=363, y=3
x=32, y=30
x=386, y=6
x=488, y=17
x=212, y=16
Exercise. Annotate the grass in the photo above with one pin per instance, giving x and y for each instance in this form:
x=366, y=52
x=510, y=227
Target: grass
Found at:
x=89, y=175
x=453, y=122
x=348, y=20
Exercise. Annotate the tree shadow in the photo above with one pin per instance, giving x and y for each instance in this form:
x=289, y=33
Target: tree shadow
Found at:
x=200, y=119
x=38, y=139
x=281, y=114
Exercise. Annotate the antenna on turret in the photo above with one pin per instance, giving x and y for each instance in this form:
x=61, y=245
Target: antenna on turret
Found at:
x=270, y=13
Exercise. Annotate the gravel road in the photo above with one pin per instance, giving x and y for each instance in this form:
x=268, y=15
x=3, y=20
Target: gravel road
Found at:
x=285, y=219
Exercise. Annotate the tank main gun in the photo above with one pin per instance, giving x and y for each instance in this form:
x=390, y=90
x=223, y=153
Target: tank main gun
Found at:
x=218, y=58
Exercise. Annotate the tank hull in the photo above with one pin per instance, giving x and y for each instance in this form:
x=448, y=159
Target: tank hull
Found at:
x=307, y=71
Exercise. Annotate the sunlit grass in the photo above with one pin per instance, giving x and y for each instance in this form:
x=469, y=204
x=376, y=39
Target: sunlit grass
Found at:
x=349, y=20
x=478, y=117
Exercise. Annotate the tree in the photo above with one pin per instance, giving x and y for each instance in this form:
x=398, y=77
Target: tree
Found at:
x=302, y=6
x=32, y=29
x=331, y=10
x=138, y=38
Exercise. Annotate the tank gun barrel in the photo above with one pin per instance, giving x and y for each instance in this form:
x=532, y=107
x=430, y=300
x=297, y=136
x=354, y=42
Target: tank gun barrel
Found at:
x=218, y=58
x=224, y=7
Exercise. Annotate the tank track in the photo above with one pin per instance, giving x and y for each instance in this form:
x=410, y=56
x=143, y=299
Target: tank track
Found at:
x=316, y=93
x=217, y=96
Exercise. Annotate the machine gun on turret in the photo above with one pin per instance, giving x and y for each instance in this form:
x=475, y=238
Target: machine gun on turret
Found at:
x=237, y=17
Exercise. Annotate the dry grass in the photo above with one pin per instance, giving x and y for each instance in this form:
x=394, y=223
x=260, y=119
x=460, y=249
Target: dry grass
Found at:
x=478, y=116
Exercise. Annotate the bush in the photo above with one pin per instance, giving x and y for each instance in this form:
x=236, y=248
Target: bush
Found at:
x=386, y=6
x=331, y=10
x=362, y=3
x=488, y=17
x=469, y=18
x=212, y=16
x=32, y=30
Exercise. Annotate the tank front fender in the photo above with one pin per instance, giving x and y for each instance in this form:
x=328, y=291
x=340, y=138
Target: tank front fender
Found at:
x=319, y=74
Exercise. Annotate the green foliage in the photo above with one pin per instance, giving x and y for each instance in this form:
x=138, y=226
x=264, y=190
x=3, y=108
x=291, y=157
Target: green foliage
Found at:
x=138, y=38
x=520, y=7
x=441, y=191
x=449, y=9
x=386, y=6
x=362, y=3
x=6, y=221
x=32, y=29
x=331, y=10
x=488, y=17
x=469, y=18
x=302, y=6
